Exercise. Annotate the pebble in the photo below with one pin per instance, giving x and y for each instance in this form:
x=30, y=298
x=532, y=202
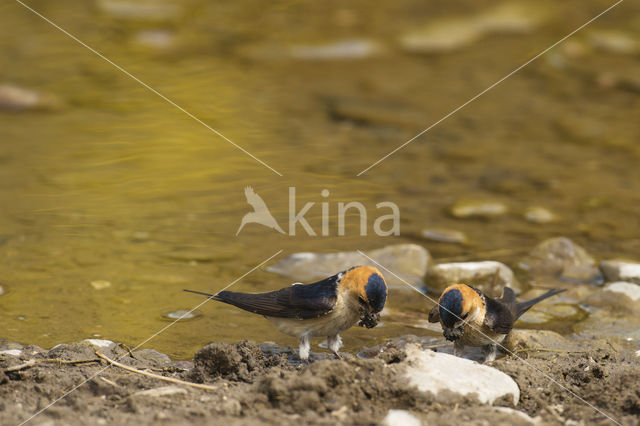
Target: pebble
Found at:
x=408, y=261
x=11, y=352
x=161, y=391
x=182, y=314
x=16, y=98
x=101, y=343
x=400, y=418
x=467, y=209
x=563, y=259
x=479, y=274
x=100, y=284
x=450, y=34
x=155, y=11
x=340, y=50
x=156, y=39
x=539, y=215
x=445, y=236
x=425, y=370
x=614, y=42
x=619, y=270
x=1, y=290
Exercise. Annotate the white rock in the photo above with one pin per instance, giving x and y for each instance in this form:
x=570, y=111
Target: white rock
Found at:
x=11, y=352
x=345, y=49
x=400, y=418
x=408, y=261
x=99, y=343
x=435, y=372
x=477, y=274
x=638, y=353
x=632, y=291
x=523, y=416
x=619, y=270
x=161, y=391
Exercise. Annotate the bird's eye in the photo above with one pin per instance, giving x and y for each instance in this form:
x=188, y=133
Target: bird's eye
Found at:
x=362, y=301
x=464, y=317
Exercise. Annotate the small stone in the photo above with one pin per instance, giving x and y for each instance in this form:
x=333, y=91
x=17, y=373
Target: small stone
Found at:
x=408, y=261
x=478, y=274
x=539, y=215
x=100, y=284
x=619, y=270
x=182, y=315
x=466, y=209
x=614, y=42
x=11, y=352
x=340, y=50
x=100, y=343
x=463, y=377
x=149, y=11
x=16, y=98
x=400, y=418
x=153, y=358
x=445, y=236
x=563, y=259
x=535, y=317
x=161, y=391
x=157, y=39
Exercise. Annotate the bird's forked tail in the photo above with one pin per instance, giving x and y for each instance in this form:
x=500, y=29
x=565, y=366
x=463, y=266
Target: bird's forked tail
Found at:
x=526, y=305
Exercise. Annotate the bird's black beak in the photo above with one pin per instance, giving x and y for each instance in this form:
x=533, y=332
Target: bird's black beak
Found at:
x=368, y=319
x=452, y=334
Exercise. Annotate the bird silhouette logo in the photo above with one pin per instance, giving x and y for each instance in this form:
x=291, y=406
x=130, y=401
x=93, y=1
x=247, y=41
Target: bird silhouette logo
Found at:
x=260, y=213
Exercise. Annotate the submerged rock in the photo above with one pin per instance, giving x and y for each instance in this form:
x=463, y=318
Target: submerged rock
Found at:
x=444, y=236
x=563, y=259
x=16, y=98
x=146, y=10
x=618, y=296
x=468, y=209
x=408, y=261
x=610, y=325
x=619, y=270
x=450, y=34
x=539, y=215
x=340, y=50
x=438, y=372
x=482, y=275
x=614, y=42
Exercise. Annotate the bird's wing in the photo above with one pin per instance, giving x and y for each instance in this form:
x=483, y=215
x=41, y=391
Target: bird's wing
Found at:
x=498, y=317
x=434, y=314
x=297, y=301
x=255, y=200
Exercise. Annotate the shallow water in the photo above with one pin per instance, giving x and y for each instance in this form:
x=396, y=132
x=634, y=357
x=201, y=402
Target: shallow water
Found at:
x=117, y=185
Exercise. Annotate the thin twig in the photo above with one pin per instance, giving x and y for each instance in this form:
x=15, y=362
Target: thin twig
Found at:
x=27, y=364
x=155, y=376
x=33, y=362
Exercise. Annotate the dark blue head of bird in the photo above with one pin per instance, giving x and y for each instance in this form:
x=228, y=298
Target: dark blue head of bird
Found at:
x=376, y=291
x=450, y=308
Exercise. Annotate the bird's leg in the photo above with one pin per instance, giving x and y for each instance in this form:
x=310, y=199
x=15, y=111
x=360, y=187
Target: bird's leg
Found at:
x=305, y=347
x=335, y=343
x=490, y=352
x=458, y=348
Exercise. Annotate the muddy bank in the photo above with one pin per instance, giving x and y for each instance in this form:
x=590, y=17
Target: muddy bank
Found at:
x=263, y=383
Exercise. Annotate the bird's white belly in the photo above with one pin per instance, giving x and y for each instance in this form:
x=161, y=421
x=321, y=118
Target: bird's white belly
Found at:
x=335, y=322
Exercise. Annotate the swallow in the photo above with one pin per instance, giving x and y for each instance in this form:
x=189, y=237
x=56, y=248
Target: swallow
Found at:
x=471, y=318
x=324, y=308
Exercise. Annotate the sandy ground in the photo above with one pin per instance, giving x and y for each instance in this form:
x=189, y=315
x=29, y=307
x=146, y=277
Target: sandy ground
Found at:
x=265, y=384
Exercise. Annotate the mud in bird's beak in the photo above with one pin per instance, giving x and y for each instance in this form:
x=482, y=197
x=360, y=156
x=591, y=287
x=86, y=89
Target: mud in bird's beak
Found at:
x=368, y=319
x=452, y=334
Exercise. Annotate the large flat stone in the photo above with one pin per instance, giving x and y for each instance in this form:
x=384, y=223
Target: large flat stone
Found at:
x=436, y=372
x=481, y=275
